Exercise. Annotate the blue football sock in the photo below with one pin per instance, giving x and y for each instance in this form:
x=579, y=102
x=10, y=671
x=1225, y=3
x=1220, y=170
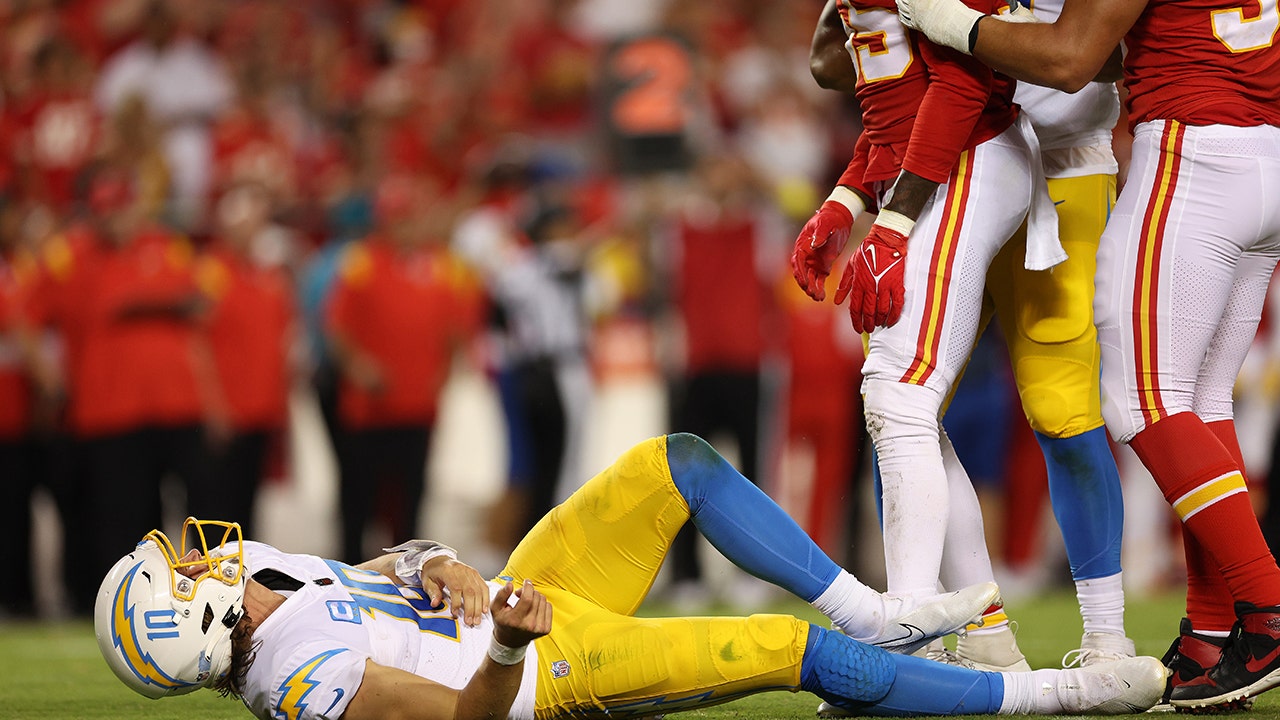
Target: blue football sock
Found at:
x=1084, y=486
x=870, y=681
x=925, y=687
x=743, y=523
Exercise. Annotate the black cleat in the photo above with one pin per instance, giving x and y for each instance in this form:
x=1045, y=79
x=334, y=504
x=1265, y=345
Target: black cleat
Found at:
x=1249, y=665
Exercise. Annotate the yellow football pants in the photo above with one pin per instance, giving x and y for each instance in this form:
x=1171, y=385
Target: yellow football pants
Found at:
x=595, y=557
x=1047, y=316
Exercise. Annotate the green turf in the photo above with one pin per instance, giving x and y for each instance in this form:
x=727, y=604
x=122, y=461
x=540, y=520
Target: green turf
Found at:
x=54, y=672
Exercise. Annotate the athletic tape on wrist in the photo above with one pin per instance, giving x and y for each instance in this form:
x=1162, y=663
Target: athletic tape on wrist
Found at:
x=414, y=554
x=849, y=199
x=895, y=221
x=504, y=655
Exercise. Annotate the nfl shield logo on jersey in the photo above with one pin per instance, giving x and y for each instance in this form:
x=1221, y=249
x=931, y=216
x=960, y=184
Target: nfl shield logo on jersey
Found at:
x=560, y=668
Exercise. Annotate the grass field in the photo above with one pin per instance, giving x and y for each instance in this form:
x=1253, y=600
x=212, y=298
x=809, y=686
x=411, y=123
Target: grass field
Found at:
x=54, y=672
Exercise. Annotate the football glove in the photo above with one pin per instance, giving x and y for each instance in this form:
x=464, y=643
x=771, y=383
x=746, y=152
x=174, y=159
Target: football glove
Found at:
x=874, y=277
x=823, y=239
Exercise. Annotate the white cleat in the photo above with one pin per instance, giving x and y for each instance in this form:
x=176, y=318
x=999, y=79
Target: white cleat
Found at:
x=1118, y=687
x=994, y=652
x=1099, y=648
x=827, y=710
x=924, y=620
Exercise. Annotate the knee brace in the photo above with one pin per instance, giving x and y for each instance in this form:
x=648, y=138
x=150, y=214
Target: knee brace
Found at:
x=843, y=671
x=1058, y=387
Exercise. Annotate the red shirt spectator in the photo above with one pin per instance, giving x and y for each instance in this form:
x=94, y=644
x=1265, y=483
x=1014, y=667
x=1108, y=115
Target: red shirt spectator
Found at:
x=405, y=309
x=719, y=292
x=56, y=128
x=250, y=145
x=248, y=334
x=15, y=389
x=130, y=345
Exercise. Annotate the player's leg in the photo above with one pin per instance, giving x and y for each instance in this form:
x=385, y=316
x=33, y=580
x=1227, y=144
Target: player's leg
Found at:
x=912, y=365
x=1047, y=319
x=1167, y=265
x=601, y=663
x=608, y=540
x=1198, y=650
x=965, y=560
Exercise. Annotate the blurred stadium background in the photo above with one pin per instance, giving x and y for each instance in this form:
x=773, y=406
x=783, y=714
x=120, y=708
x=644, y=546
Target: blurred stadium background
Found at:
x=607, y=191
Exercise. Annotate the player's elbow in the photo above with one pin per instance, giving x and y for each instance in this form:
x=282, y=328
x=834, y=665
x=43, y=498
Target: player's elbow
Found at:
x=833, y=71
x=1076, y=81
x=1075, y=67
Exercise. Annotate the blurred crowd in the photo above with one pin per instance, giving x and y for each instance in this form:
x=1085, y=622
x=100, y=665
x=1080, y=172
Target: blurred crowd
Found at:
x=207, y=205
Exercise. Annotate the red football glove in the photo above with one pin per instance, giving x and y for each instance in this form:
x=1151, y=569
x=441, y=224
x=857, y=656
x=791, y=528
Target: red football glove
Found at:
x=822, y=240
x=874, y=276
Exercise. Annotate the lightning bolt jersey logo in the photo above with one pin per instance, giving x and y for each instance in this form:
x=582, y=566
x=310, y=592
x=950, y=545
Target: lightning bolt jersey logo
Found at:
x=295, y=689
x=124, y=636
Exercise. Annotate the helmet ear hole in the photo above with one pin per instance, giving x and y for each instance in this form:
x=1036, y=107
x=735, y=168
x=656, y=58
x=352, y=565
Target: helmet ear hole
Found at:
x=208, y=618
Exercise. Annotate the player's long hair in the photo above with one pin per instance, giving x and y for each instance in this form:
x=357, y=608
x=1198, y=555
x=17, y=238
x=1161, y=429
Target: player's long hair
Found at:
x=243, y=651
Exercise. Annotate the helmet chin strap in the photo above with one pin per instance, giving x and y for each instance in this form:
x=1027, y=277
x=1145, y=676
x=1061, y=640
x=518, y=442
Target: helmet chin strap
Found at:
x=217, y=653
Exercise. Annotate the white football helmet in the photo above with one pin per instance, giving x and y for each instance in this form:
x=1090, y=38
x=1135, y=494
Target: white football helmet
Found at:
x=164, y=624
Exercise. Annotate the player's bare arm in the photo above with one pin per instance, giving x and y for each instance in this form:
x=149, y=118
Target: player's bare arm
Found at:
x=388, y=693
x=910, y=194
x=1065, y=54
x=829, y=61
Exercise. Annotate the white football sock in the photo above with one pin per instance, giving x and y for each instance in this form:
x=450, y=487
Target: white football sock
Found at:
x=856, y=609
x=965, y=558
x=902, y=421
x=1030, y=693
x=1102, y=604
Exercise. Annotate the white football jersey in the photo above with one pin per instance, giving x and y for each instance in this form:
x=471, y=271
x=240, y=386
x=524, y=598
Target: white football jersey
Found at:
x=1071, y=120
x=312, y=649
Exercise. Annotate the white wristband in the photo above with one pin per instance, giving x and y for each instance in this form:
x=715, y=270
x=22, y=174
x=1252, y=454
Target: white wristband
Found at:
x=414, y=554
x=849, y=199
x=895, y=221
x=504, y=655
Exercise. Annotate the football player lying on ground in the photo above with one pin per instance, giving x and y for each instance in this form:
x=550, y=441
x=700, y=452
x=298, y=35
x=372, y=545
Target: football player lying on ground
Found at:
x=420, y=635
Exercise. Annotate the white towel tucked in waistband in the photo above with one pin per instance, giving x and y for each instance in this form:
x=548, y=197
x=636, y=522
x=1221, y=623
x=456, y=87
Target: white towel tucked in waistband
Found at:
x=1044, y=249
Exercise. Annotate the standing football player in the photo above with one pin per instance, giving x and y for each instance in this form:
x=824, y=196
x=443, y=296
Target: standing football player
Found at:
x=941, y=138
x=1047, y=319
x=1183, y=271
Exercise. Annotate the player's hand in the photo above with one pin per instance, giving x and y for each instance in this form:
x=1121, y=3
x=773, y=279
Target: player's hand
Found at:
x=874, y=279
x=945, y=22
x=528, y=619
x=468, y=592
x=820, y=242
x=823, y=239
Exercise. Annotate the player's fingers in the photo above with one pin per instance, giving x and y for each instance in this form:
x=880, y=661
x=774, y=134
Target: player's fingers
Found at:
x=504, y=595
x=855, y=317
x=472, y=607
x=544, y=618
x=884, y=303
x=798, y=268
x=434, y=594
x=869, y=305
x=899, y=297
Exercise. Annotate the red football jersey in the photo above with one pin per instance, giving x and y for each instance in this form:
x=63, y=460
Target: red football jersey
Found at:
x=1205, y=62
x=910, y=88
